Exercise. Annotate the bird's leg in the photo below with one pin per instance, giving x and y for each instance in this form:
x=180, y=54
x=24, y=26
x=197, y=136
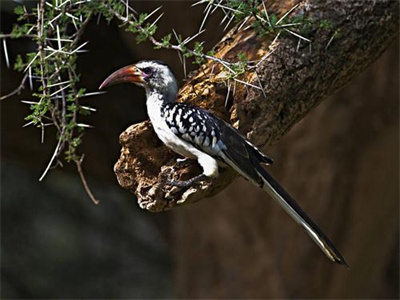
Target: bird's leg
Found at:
x=186, y=183
x=183, y=162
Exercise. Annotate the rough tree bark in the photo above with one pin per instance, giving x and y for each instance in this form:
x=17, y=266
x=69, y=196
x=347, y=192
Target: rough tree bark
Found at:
x=295, y=79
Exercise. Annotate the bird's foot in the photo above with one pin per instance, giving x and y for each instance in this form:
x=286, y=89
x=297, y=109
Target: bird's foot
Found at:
x=180, y=164
x=185, y=183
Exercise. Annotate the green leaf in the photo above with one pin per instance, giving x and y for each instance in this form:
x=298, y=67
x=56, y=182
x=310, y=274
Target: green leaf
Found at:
x=273, y=19
x=19, y=10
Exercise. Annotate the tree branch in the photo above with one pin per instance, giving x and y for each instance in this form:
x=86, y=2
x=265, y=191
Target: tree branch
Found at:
x=295, y=78
x=17, y=90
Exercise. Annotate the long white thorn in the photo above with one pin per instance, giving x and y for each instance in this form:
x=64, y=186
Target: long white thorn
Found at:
x=62, y=40
x=184, y=66
x=216, y=7
x=298, y=35
x=63, y=3
x=152, y=13
x=265, y=57
x=59, y=83
x=60, y=90
x=276, y=38
x=330, y=41
x=93, y=94
x=29, y=102
x=212, y=71
x=199, y=2
x=229, y=22
x=30, y=78
x=58, y=38
x=180, y=56
x=42, y=127
x=27, y=124
x=52, y=159
x=76, y=49
x=266, y=13
x=298, y=45
x=189, y=39
x=98, y=19
x=228, y=8
x=130, y=8
x=80, y=2
x=6, y=53
x=206, y=16
x=30, y=63
x=55, y=18
x=261, y=85
x=223, y=20
x=127, y=9
x=88, y=108
x=244, y=22
x=247, y=83
x=227, y=94
x=84, y=125
x=155, y=22
x=72, y=16
x=287, y=13
x=73, y=22
x=176, y=36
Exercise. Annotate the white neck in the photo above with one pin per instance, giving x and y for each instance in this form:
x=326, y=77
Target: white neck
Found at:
x=154, y=104
x=166, y=95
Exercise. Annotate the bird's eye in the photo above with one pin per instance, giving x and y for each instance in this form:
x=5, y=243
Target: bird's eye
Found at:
x=147, y=70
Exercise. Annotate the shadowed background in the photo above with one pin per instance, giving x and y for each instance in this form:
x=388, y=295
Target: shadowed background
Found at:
x=340, y=162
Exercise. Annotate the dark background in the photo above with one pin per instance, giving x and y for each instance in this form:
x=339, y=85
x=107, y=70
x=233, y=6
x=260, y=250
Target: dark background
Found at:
x=341, y=161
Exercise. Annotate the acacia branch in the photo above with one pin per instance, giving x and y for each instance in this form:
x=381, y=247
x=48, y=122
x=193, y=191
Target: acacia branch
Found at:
x=84, y=182
x=16, y=90
x=295, y=78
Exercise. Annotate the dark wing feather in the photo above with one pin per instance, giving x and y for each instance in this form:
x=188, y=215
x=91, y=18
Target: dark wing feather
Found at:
x=240, y=153
x=214, y=136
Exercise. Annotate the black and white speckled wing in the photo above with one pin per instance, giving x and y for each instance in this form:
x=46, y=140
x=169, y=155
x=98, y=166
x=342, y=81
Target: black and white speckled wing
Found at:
x=195, y=126
x=215, y=137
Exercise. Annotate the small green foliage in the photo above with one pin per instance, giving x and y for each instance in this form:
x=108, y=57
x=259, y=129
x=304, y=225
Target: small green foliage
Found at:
x=19, y=10
x=198, y=53
x=142, y=31
x=165, y=42
x=240, y=67
x=19, y=30
x=325, y=24
x=19, y=63
x=211, y=53
x=273, y=20
x=56, y=96
x=147, y=32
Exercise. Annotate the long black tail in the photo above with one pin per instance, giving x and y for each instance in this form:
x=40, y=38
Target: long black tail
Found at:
x=273, y=188
x=246, y=159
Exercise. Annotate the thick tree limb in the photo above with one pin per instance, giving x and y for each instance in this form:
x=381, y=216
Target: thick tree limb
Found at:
x=294, y=78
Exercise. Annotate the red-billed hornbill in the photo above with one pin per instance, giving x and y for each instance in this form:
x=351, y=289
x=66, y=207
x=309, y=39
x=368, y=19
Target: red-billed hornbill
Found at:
x=197, y=134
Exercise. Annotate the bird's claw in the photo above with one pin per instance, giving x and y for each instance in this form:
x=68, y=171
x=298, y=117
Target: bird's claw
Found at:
x=182, y=163
x=185, y=183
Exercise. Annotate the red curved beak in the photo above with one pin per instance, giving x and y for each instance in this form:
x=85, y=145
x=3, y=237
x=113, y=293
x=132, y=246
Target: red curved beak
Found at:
x=125, y=74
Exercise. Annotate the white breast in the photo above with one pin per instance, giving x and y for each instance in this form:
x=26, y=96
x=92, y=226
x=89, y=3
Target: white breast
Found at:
x=164, y=133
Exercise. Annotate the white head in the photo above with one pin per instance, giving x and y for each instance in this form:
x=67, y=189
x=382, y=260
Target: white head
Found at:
x=154, y=76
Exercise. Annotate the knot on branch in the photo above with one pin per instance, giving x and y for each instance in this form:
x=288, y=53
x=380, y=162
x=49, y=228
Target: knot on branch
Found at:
x=145, y=164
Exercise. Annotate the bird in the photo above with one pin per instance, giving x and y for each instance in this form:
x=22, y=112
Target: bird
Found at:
x=197, y=134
